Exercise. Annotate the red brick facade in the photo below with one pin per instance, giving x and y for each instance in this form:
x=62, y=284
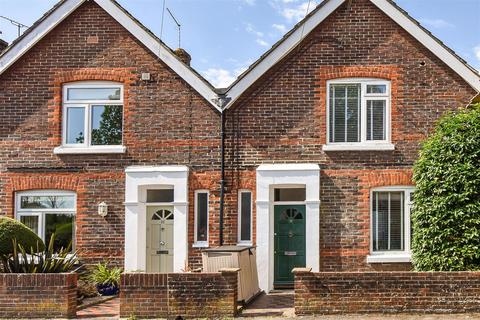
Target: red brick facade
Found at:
x=386, y=292
x=198, y=295
x=280, y=119
x=38, y=296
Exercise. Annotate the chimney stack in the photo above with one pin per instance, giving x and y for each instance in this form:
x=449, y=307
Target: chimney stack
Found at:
x=184, y=56
x=3, y=45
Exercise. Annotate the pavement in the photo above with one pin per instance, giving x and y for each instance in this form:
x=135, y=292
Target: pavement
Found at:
x=276, y=306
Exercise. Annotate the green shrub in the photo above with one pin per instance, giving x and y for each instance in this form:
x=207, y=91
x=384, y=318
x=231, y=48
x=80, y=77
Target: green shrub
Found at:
x=446, y=213
x=103, y=275
x=12, y=229
x=35, y=261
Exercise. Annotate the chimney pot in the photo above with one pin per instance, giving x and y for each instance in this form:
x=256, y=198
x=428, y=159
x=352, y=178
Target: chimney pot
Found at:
x=183, y=55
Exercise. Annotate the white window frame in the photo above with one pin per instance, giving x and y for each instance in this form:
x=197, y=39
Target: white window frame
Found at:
x=86, y=146
x=40, y=213
x=201, y=244
x=397, y=255
x=239, y=220
x=364, y=144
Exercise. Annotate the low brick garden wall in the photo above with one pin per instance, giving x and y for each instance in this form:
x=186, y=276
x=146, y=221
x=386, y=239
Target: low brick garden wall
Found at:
x=386, y=292
x=38, y=295
x=202, y=295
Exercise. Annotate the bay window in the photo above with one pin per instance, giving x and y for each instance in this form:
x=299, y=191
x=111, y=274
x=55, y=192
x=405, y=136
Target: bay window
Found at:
x=46, y=212
x=92, y=118
x=358, y=115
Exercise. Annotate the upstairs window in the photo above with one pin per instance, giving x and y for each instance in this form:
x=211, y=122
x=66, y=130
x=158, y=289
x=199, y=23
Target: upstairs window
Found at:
x=93, y=114
x=358, y=112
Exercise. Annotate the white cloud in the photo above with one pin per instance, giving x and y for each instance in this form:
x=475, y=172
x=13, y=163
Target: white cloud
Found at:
x=262, y=42
x=249, y=2
x=476, y=50
x=298, y=12
x=279, y=27
x=222, y=78
x=251, y=29
x=436, y=23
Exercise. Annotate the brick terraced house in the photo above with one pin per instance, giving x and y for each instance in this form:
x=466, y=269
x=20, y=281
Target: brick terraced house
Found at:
x=110, y=139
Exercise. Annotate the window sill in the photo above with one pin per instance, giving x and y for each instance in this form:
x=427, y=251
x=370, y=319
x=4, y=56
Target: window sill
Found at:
x=200, y=245
x=359, y=147
x=89, y=150
x=245, y=244
x=390, y=258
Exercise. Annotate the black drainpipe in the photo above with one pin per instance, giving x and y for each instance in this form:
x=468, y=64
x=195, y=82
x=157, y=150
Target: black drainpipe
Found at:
x=223, y=100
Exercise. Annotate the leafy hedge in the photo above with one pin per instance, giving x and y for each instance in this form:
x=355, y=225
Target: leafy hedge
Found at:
x=446, y=213
x=11, y=229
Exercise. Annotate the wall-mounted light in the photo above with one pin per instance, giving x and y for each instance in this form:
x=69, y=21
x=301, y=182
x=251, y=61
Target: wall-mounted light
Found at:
x=102, y=209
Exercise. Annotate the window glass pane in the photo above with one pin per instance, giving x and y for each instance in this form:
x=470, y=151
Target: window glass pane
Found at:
x=160, y=195
x=376, y=119
x=345, y=113
x=376, y=88
x=93, y=94
x=62, y=226
x=75, y=125
x=388, y=221
x=246, y=216
x=107, y=125
x=289, y=194
x=202, y=216
x=31, y=222
x=396, y=221
x=47, y=202
x=353, y=114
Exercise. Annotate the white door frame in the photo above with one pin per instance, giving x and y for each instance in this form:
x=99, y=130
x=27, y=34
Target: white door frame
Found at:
x=138, y=179
x=268, y=177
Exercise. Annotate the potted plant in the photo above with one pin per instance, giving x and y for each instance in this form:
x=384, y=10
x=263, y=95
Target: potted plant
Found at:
x=106, y=279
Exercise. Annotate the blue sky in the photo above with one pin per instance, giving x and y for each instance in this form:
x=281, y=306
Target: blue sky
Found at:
x=225, y=36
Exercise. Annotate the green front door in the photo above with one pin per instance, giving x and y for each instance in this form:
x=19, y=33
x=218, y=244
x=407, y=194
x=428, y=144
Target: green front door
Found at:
x=289, y=239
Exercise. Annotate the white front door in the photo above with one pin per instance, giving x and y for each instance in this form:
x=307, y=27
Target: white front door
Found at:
x=160, y=239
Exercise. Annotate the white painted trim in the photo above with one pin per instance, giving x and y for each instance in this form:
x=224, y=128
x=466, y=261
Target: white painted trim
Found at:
x=194, y=80
x=89, y=150
x=137, y=181
x=393, y=256
x=390, y=258
x=289, y=167
x=239, y=217
x=146, y=169
x=292, y=41
x=69, y=6
x=201, y=244
x=430, y=43
x=359, y=147
x=41, y=213
x=363, y=144
x=35, y=35
x=283, y=49
x=269, y=176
